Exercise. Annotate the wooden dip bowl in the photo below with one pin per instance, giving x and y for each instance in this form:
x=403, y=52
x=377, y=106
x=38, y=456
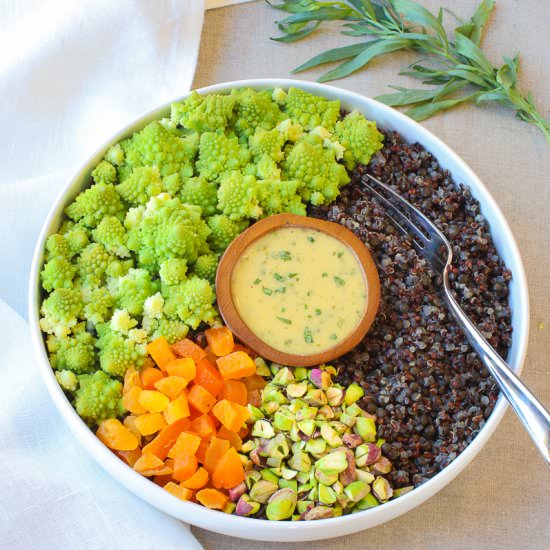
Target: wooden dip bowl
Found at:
x=233, y=320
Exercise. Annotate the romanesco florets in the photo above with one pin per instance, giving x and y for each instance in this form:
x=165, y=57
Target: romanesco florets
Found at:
x=112, y=235
x=204, y=113
x=99, y=305
x=173, y=271
x=153, y=306
x=205, y=267
x=172, y=329
x=267, y=142
x=131, y=291
x=92, y=205
x=200, y=192
x=254, y=110
x=75, y=353
x=122, y=322
x=277, y=197
x=58, y=273
x=220, y=154
x=115, y=155
x=143, y=183
x=311, y=110
x=92, y=264
x=61, y=311
x=67, y=379
x=359, y=137
x=223, y=231
x=238, y=197
x=98, y=397
x=104, y=172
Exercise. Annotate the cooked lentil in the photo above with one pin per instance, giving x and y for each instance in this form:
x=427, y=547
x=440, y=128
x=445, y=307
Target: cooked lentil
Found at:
x=422, y=379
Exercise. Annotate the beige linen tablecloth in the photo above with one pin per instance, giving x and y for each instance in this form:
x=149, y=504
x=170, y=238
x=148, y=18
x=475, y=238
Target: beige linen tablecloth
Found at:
x=502, y=499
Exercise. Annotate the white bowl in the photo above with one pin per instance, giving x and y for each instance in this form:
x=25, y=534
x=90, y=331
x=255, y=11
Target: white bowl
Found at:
x=387, y=118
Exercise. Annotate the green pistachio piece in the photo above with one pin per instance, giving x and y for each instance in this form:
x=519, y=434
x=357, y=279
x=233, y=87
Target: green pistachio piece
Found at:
x=357, y=490
x=348, y=420
x=281, y=505
x=337, y=511
x=278, y=446
x=261, y=367
x=229, y=508
x=339, y=427
x=275, y=368
x=272, y=394
x=326, y=494
x=366, y=428
x=271, y=407
x=304, y=487
x=262, y=490
x=302, y=477
x=325, y=413
x=380, y=442
x=382, y=489
x=300, y=373
x=316, y=397
x=263, y=429
x=268, y=475
x=327, y=479
x=338, y=488
x=296, y=405
x=367, y=477
x=282, y=421
x=330, y=436
x=335, y=396
x=287, y=473
x=353, y=393
x=294, y=433
x=333, y=463
x=248, y=446
x=307, y=426
x=300, y=462
x=284, y=377
x=354, y=410
x=402, y=491
x=382, y=465
x=303, y=506
x=298, y=447
x=306, y=413
x=296, y=390
x=369, y=501
x=246, y=506
x=296, y=517
x=290, y=483
x=319, y=512
x=252, y=476
x=255, y=413
x=316, y=446
x=274, y=461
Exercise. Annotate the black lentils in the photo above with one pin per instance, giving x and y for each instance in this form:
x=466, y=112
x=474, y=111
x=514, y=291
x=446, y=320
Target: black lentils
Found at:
x=421, y=378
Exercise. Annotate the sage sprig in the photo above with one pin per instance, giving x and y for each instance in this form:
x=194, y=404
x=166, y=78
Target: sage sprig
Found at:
x=453, y=64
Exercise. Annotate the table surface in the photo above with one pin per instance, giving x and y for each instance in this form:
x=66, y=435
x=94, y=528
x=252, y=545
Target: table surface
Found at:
x=501, y=499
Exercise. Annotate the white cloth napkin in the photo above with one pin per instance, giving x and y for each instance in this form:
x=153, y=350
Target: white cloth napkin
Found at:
x=71, y=74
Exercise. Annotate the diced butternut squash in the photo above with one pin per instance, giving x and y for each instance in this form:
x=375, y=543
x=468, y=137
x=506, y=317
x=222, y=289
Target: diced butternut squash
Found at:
x=116, y=436
x=209, y=377
x=211, y=498
x=201, y=399
x=179, y=408
x=178, y=491
x=234, y=390
x=234, y=440
x=185, y=465
x=153, y=401
x=149, y=377
x=161, y=352
x=171, y=386
x=204, y=425
x=166, y=439
x=198, y=480
x=162, y=480
x=236, y=365
x=254, y=382
x=131, y=379
x=130, y=400
x=130, y=423
x=130, y=457
x=148, y=461
x=149, y=423
x=185, y=368
x=216, y=449
x=255, y=398
x=220, y=340
x=188, y=348
x=229, y=470
x=231, y=415
x=186, y=441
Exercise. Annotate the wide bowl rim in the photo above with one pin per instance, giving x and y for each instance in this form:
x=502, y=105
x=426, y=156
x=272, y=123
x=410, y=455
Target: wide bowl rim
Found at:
x=256, y=528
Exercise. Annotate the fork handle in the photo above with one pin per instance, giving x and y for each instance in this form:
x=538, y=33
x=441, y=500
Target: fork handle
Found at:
x=530, y=411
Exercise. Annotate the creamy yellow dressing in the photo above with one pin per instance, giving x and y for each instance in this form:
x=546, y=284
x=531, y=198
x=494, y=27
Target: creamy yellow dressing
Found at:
x=299, y=290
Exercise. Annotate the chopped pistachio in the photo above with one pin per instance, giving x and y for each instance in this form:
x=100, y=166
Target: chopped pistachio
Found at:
x=316, y=446
x=333, y=463
x=306, y=413
x=283, y=421
x=307, y=426
x=246, y=506
x=283, y=377
x=339, y=427
x=369, y=501
x=263, y=429
x=380, y=441
x=252, y=476
x=229, y=508
x=303, y=506
x=300, y=462
x=330, y=436
x=382, y=465
x=316, y=397
x=352, y=440
x=362, y=475
x=357, y=490
x=300, y=373
x=354, y=410
x=255, y=413
x=263, y=489
x=347, y=420
x=326, y=478
x=271, y=393
x=319, y=512
x=353, y=393
x=302, y=477
x=296, y=390
x=271, y=407
x=261, y=367
x=402, y=491
x=325, y=412
x=335, y=396
x=274, y=461
x=290, y=483
x=281, y=505
x=338, y=488
x=382, y=489
x=321, y=378
x=248, y=446
x=287, y=473
x=366, y=428
x=326, y=494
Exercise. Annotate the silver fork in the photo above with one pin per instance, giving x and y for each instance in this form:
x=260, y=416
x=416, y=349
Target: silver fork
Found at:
x=430, y=243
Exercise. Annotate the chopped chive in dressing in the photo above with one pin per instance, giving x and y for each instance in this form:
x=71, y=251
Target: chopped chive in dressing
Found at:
x=322, y=299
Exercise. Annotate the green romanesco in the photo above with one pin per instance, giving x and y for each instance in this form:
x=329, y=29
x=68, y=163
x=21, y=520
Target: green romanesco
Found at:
x=91, y=206
x=205, y=267
x=58, y=273
x=204, y=113
x=359, y=137
x=57, y=246
x=153, y=306
x=200, y=192
x=172, y=183
x=76, y=235
x=143, y=183
x=61, y=311
x=172, y=329
x=98, y=397
x=191, y=301
x=316, y=168
x=173, y=271
x=267, y=169
x=290, y=130
x=119, y=268
x=117, y=352
x=131, y=291
x=67, y=379
x=76, y=353
x=223, y=231
x=92, y=264
x=311, y=110
x=122, y=322
x=112, y=235
x=170, y=229
x=220, y=154
x=115, y=155
x=238, y=196
x=277, y=197
x=156, y=146
x=267, y=142
x=104, y=172
x=99, y=305
x=254, y=110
